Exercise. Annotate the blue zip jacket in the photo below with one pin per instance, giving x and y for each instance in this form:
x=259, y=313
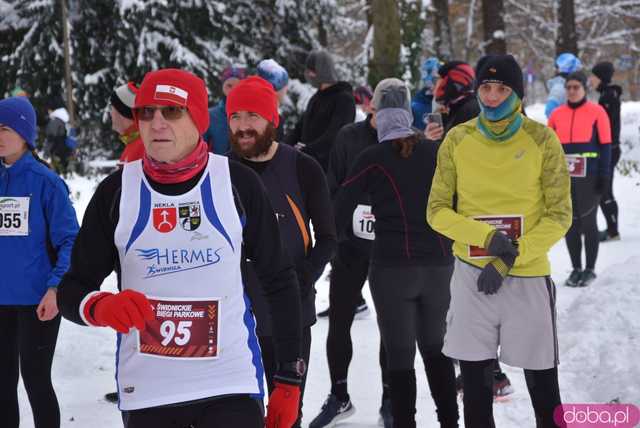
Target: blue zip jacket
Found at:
x=27, y=270
x=421, y=105
x=217, y=136
x=557, y=94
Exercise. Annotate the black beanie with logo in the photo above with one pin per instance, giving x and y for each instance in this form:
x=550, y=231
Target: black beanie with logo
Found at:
x=502, y=69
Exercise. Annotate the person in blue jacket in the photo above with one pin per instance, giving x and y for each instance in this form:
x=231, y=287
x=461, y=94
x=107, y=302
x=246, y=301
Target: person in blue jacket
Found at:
x=38, y=226
x=566, y=63
x=217, y=136
x=421, y=104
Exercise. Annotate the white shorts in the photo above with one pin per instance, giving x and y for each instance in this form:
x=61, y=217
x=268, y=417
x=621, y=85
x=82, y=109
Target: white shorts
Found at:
x=520, y=319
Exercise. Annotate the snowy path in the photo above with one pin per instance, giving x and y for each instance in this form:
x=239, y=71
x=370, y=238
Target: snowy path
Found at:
x=598, y=333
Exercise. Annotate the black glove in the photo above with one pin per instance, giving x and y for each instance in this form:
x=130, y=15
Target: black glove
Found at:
x=493, y=274
x=602, y=184
x=498, y=244
x=306, y=278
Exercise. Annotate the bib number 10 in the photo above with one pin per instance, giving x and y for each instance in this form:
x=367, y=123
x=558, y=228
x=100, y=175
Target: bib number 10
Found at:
x=366, y=225
x=179, y=334
x=10, y=220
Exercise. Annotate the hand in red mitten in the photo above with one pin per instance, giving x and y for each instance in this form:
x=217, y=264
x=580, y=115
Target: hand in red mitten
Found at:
x=122, y=311
x=282, y=411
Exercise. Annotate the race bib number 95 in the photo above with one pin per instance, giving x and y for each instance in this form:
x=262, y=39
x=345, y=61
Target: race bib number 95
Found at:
x=182, y=329
x=14, y=216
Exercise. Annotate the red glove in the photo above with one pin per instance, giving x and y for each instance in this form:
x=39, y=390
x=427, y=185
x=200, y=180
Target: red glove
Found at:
x=284, y=402
x=121, y=311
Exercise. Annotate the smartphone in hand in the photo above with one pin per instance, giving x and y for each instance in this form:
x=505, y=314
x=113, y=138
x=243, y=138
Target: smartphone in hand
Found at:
x=433, y=118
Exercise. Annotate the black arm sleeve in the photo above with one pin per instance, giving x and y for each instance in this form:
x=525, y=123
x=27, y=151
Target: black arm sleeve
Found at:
x=318, y=203
x=351, y=189
x=610, y=100
x=344, y=113
x=337, y=171
x=94, y=255
x=274, y=269
x=294, y=136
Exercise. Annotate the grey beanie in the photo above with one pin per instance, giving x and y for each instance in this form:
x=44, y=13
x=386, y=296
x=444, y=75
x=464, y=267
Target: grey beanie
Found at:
x=322, y=64
x=392, y=101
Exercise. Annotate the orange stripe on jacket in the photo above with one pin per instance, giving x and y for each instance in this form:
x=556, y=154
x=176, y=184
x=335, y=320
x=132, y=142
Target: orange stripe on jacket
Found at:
x=301, y=224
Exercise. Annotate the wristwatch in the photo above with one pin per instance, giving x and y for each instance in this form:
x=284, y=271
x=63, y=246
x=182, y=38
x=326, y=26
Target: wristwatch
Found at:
x=299, y=367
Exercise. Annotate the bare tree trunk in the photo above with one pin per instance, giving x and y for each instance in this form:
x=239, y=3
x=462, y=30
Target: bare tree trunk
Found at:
x=386, y=41
x=493, y=25
x=67, y=64
x=567, y=36
x=470, y=27
x=443, y=43
x=322, y=33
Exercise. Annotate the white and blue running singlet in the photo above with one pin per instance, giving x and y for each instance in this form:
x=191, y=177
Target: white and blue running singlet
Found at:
x=183, y=253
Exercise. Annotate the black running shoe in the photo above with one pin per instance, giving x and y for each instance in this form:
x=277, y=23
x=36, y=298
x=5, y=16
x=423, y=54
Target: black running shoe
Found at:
x=111, y=397
x=386, y=418
x=333, y=411
x=574, y=278
x=362, y=311
x=605, y=236
x=501, y=385
x=459, y=384
x=587, y=277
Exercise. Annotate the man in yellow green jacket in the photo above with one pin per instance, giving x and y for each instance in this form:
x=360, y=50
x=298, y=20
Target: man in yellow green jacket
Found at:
x=502, y=172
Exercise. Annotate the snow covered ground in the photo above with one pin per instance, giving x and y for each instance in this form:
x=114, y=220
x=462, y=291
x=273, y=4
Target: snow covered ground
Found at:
x=598, y=331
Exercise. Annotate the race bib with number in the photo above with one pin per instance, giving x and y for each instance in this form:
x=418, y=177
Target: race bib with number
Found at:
x=14, y=216
x=510, y=225
x=577, y=165
x=182, y=329
x=363, y=222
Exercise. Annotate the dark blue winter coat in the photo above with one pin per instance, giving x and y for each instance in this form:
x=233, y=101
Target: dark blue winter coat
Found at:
x=27, y=261
x=421, y=105
x=217, y=136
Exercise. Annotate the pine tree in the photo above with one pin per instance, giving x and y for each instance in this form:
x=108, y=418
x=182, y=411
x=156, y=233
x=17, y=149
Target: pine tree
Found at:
x=33, y=57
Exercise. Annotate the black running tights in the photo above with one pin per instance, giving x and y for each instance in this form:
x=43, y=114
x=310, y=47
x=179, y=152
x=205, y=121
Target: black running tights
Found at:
x=28, y=345
x=478, y=394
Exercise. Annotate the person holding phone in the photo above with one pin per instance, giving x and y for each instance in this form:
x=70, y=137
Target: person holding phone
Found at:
x=454, y=92
x=411, y=264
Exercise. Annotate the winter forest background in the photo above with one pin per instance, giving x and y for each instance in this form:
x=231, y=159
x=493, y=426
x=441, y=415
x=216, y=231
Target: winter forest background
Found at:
x=113, y=41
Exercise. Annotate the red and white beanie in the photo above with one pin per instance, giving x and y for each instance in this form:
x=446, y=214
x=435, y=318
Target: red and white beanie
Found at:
x=256, y=95
x=171, y=86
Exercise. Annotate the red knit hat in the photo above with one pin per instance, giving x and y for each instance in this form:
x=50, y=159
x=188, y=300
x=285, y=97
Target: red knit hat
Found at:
x=170, y=87
x=256, y=95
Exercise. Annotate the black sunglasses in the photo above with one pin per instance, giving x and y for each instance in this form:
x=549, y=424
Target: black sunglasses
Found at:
x=146, y=114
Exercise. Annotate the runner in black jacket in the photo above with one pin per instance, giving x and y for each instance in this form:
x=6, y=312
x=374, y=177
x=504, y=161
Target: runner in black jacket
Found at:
x=329, y=109
x=350, y=268
x=297, y=189
x=411, y=264
x=609, y=99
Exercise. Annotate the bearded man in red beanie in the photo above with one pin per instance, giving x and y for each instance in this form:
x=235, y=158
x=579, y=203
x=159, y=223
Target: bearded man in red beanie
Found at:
x=299, y=194
x=176, y=226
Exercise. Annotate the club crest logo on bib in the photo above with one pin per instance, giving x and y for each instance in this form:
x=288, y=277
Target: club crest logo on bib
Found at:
x=189, y=214
x=165, y=217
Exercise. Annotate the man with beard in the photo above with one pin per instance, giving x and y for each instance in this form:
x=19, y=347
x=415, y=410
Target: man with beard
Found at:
x=328, y=110
x=299, y=194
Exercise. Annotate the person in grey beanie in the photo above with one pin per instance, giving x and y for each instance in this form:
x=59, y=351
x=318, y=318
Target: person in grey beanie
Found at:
x=411, y=264
x=328, y=110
